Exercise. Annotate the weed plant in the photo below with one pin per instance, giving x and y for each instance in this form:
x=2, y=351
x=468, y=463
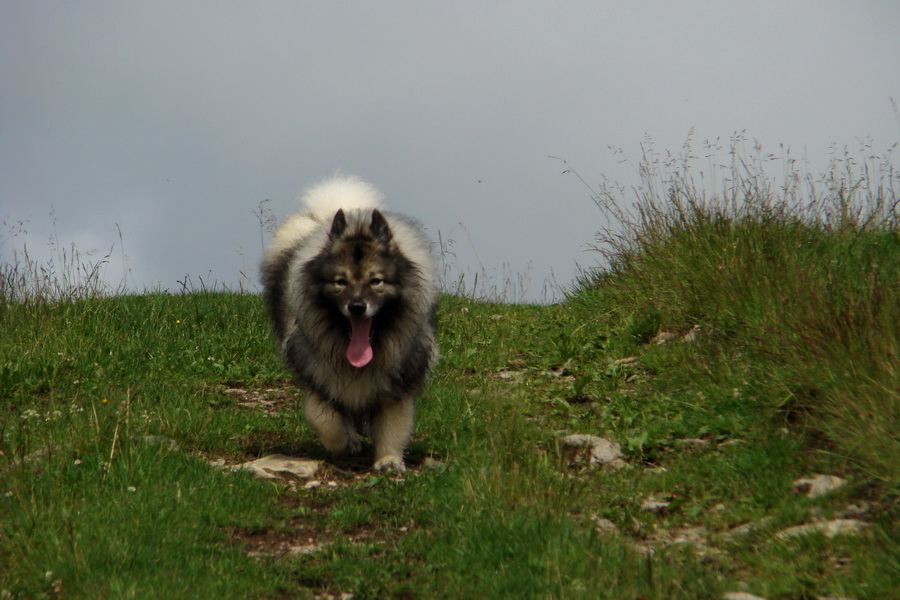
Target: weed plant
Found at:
x=115, y=407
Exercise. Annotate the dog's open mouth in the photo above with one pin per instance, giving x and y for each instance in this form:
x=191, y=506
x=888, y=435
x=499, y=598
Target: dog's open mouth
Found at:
x=359, y=352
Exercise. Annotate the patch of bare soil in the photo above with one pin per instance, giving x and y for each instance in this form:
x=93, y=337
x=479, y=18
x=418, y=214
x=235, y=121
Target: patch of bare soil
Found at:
x=272, y=399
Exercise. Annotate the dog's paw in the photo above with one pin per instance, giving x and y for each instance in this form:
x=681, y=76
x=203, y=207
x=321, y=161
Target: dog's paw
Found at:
x=390, y=462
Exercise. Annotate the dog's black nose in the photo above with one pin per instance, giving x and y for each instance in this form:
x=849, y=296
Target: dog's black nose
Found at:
x=356, y=308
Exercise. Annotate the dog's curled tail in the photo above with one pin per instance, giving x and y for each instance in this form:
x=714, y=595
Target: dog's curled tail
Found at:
x=340, y=192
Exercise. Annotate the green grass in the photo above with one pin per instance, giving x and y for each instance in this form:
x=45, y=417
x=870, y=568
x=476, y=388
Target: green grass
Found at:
x=111, y=409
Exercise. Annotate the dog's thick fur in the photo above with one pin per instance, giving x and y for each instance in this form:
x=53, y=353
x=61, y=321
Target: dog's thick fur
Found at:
x=351, y=290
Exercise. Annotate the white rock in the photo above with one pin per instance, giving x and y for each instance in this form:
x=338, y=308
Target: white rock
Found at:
x=511, y=375
x=818, y=485
x=829, y=529
x=740, y=596
x=304, y=550
x=605, y=526
x=596, y=450
x=579, y=440
x=273, y=465
x=855, y=511
x=654, y=505
x=662, y=337
x=691, y=335
x=625, y=362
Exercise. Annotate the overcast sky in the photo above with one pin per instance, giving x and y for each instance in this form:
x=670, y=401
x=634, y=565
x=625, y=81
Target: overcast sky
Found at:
x=169, y=121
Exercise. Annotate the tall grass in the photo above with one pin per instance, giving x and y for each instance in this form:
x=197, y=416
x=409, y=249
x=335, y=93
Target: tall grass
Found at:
x=67, y=275
x=802, y=271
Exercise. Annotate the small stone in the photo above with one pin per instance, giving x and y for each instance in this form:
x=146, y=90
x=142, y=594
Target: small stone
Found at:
x=593, y=449
x=691, y=335
x=605, y=526
x=654, y=505
x=579, y=440
x=855, y=511
x=626, y=362
x=818, y=485
x=662, y=337
x=511, y=375
x=274, y=465
x=829, y=529
x=740, y=596
x=304, y=550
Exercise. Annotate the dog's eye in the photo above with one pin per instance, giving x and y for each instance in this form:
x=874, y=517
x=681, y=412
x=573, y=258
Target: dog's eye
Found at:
x=376, y=281
x=340, y=282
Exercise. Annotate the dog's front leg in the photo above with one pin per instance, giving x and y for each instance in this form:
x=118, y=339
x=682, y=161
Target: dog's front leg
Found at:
x=392, y=426
x=336, y=432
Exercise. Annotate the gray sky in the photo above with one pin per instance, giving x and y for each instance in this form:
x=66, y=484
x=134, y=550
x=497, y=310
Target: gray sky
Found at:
x=170, y=120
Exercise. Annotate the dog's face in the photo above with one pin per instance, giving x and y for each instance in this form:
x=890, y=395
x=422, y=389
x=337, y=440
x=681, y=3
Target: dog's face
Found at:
x=360, y=277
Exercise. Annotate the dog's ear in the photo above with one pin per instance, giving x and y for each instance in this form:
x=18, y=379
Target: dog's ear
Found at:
x=379, y=228
x=339, y=224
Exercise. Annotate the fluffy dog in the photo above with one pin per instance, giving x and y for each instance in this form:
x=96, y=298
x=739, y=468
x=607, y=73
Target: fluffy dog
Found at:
x=351, y=291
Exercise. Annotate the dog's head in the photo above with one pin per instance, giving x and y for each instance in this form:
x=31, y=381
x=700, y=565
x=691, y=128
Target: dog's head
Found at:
x=362, y=276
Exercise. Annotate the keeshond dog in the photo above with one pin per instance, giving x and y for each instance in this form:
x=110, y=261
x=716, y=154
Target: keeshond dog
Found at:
x=351, y=291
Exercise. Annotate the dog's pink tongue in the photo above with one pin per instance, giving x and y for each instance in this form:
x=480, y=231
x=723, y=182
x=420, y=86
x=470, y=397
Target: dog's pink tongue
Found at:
x=359, y=352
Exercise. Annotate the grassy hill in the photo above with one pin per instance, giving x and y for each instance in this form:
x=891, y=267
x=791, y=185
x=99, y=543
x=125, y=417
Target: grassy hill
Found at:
x=739, y=340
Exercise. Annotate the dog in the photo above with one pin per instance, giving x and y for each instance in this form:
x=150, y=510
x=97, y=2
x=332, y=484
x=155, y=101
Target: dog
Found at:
x=352, y=290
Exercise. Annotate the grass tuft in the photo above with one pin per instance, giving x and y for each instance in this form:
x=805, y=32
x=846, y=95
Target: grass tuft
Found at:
x=804, y=273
